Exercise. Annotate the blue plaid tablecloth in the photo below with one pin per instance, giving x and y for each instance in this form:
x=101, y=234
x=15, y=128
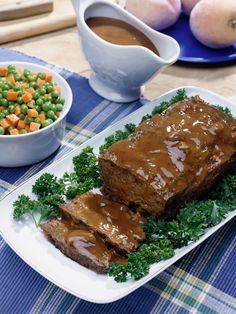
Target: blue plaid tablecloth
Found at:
x=204, y=281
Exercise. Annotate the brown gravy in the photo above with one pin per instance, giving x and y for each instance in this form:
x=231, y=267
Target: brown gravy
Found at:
x=119, y=32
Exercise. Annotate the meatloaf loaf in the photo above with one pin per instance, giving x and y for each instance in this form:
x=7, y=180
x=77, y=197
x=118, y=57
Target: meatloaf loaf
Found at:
x=170, y=158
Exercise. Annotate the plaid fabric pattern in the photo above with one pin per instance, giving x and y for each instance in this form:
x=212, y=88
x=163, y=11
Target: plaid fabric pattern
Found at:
x=204, y=281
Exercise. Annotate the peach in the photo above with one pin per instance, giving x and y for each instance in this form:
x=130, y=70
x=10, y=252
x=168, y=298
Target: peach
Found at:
x=158, y=14
x=188, y=5
x=213, y=22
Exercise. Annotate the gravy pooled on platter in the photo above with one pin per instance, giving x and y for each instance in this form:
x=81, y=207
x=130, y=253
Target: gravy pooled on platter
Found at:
x=119, y=32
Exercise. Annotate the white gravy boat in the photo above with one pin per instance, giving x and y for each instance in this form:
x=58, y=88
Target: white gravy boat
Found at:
x=119, y=72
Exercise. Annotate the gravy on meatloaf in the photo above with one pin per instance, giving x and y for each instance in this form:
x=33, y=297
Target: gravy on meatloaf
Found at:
x=113, y=220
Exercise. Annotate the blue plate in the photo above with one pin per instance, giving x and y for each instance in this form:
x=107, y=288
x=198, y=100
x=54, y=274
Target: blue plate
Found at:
x=192, y=50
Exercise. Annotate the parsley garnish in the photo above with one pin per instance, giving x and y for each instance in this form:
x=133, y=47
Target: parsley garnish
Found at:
x=190, y=224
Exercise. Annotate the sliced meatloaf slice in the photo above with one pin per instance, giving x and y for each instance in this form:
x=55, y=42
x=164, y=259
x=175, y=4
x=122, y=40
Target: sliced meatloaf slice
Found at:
x=173, y=157
x=80, y=244
x=115, y=222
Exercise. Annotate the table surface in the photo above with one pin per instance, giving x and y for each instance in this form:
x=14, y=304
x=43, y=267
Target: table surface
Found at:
x=63, y=49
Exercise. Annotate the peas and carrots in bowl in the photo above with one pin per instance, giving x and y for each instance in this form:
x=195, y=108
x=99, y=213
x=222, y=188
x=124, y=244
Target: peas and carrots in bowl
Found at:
x=29, y=100
x=34, y=101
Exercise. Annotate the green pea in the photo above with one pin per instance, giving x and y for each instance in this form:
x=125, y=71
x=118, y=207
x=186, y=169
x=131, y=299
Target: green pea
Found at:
x=10, y=128
x=5, y=87
x=11, y=103
x=11, y=108
x=26, y=73
x=39, y=102
x=23, y=132
x=10, y=85
x=1, y=96
x=21, y=116
x=50, y=114
x=54, y=94
x=31, y=78
x=41, y=75
x=16, y=88
x=11, y=67
x=53, y=108
x=20, y=93
x=42, y=91
x=50, y=121
x=2, y=114
x=48, y=88
x=36, y=95
x=19, y=100
x=18, y=77
x=45, y=123
x=33, y=84
x=4, y=93
x=2, y=131
x=3, y=102
x=59, y=107
x=37, y=108
x=60, y=100
x=28, y=119
x=24, y=108
x=37, y=120
x=42, y=112
x=46, y=106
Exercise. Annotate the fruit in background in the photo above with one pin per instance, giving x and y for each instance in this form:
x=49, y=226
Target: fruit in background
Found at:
x=213, y=22
x=158, y=14
x=188, y=5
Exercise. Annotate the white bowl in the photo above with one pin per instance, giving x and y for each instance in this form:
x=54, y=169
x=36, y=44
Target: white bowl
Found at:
x=30, y=148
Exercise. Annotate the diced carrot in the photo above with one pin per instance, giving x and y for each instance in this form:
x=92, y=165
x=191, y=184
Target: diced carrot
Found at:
x=21, y=124
x=56, y=88
x=17, y=110
x=30, y=90
x=5, y=123
x=48, y=77
x=42, y=117
x=11, y=79
x=3, y=108
x=27, y=127
x=13, y=119
x=12, y=95
x=34, y=127
x=3, y=71
x=14, y=132
x=32, y=113
x=40, y=82
x=24, y=85
x=34, y=73
x=58, y=113
x=27, y=97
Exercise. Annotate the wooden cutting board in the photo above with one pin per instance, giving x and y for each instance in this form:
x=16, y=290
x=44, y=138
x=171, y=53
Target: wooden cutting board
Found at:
x=63, y=16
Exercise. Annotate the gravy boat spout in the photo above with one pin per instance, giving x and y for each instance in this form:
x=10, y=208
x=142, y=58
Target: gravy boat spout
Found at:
x=120, y=71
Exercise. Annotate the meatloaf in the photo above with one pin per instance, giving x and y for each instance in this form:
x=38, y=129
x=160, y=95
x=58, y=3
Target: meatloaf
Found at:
x=80, y=244
x=170, y=158
x=118, y=225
